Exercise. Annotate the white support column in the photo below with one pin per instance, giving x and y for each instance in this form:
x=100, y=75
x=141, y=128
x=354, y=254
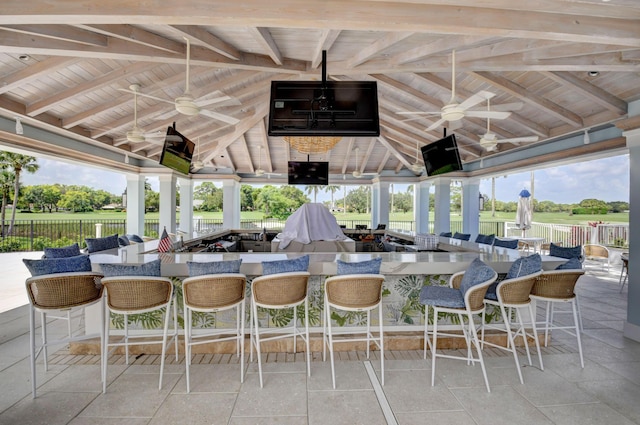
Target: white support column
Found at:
x=442, y=207
x=379, y=204
x=186, y=206
x=471, y=207
x=167, y=203
x=135, y=204
x=632, y=325
x=421, y=206
x=231, y=204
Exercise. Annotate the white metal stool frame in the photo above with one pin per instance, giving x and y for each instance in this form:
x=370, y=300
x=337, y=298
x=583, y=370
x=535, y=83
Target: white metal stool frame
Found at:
x=214, y=300
x=514, y=295
x=65, y=292
x=359, y=293
x=474, y=305
x=277, y=295
x=133, y=295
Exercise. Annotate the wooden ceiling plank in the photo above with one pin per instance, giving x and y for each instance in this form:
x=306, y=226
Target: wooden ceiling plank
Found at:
x=264, y=38
x=591, y=91
x=442, y=45
x=137, y=35
x=209, y=40
x=385, y=158
x=325, y=42
x=505, y=47
x=88, y=86
x=347, y=156
x=33, y=72
x=387, y=144
x=61, y=32
x=367, y=156
x=577, y=49
x=531, y=98
x=242, y=142
x=374, y=49
x=264, y=143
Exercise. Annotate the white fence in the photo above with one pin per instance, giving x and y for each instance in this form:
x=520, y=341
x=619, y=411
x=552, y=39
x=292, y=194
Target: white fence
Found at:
x=574, y=234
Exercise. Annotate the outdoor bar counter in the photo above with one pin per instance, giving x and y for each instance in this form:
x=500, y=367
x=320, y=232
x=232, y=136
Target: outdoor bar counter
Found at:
x=405, y=274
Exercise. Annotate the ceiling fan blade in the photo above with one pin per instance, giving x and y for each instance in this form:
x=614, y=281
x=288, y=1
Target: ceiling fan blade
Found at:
x=514, y=106
x=155, y=98
x=417, y=113
x=435, y=124
x=473, y=100
x=219, y=117
x=206, y=102
x=519, y=139
x=166, y=115
x=496, y=115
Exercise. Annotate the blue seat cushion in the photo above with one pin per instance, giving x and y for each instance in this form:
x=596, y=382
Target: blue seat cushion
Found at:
x=506, y=243
x=135, y=238
x=214, y=267
x=492, y=292
x=361, y=267
x=524, y=266
x=151, y=268
x=123, y=240
x=300, y=264
x=573, y=263
x=65, y=251
x=100, y=244
x=441, y=296
x=477, y=273
x=78, y=263
x=565, y=252
x=445, y=234
x=462, y=236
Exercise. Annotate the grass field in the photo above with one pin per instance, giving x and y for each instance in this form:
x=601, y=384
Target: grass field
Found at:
x=554, y=218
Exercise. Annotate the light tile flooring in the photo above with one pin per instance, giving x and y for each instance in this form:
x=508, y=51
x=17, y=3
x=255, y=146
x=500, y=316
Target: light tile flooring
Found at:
x=606, y=391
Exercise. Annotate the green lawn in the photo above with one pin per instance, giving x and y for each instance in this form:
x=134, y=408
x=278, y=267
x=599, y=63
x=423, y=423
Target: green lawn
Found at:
x=556, y=218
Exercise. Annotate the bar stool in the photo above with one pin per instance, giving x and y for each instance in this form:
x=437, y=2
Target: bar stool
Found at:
x=353, y=293
x=214, y=293
x=275, y=292
x=61, y=292
x=127, y=295
x=557, y=286
x=513, y=294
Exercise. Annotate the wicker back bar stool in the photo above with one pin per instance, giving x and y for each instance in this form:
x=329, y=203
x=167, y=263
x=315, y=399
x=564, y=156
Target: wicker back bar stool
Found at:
x=275, y=292
x=214, y=293
x=128, y=295
x=353, y=293
x=55, y=293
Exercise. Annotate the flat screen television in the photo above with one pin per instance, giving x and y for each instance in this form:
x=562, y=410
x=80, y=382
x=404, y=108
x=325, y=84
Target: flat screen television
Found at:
x=177, y=152
x=332, y=108
x=442, y=156
x=309, y=173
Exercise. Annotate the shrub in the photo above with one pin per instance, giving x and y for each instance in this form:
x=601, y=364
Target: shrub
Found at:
x=10, y=246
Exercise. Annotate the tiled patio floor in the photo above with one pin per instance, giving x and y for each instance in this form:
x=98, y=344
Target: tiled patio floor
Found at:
x=606, y=391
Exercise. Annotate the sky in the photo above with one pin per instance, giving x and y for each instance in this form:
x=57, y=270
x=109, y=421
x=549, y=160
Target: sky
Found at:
x=606, y=179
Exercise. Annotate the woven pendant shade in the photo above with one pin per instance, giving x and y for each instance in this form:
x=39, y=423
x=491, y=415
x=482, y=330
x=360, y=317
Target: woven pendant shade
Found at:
x=312, y=144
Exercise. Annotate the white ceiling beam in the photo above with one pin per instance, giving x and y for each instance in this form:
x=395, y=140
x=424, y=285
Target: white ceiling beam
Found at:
x=325, y=42
x=264, y=38
x=380, y=45
x=209, y=40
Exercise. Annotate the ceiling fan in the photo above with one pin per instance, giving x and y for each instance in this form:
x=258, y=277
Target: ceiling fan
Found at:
x=186, y=104
x=357, y=173
x=136, y=135
x=490, y=141
x=259, y=171
x=453, y=111
x=197, y=164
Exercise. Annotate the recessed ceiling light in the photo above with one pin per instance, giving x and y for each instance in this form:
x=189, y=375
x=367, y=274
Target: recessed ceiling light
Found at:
x=594, y=73
x=24, y=57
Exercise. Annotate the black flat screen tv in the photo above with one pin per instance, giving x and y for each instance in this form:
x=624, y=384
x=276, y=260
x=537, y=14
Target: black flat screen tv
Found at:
x=177, y=152
x=332, y=108
x=309, y=173
x=442, y=156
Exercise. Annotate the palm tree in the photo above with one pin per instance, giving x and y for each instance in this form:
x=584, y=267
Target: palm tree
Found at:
x=18, y=163
x=312, y=189
x=7, y=179
x=332, y=189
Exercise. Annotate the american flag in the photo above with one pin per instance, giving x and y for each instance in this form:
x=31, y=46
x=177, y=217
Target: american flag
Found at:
x=165, y=242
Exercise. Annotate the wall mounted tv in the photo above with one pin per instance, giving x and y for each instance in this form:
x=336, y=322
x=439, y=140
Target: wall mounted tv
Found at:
x=329, y=108
x=442, y=156
x=177, y=152
x=309, y=173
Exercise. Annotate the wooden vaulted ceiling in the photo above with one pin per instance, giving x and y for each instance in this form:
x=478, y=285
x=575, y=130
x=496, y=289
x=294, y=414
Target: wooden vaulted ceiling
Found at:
x=544, y=54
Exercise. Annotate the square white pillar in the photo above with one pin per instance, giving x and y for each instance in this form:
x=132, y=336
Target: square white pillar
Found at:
x=379, y=204
x=135, y=204
x=186, y=206
x=167, y=203
x=632, y=325
x=471, y=207
x=421, y=206
x=231, y=204
x=442, y=207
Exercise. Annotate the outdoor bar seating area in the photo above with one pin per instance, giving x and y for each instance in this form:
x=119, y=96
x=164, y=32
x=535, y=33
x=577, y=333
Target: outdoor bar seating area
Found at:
x=207, y=294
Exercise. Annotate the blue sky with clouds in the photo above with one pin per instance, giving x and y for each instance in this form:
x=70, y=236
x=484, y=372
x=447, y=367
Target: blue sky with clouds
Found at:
x=606, y=179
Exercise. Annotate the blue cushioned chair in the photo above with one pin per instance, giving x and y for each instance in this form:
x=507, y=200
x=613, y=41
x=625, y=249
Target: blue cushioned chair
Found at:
x=445, y=234
x=462, y=236
x=506, y=243
x=565, y=252
x=485, y=239
x=464, y=297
